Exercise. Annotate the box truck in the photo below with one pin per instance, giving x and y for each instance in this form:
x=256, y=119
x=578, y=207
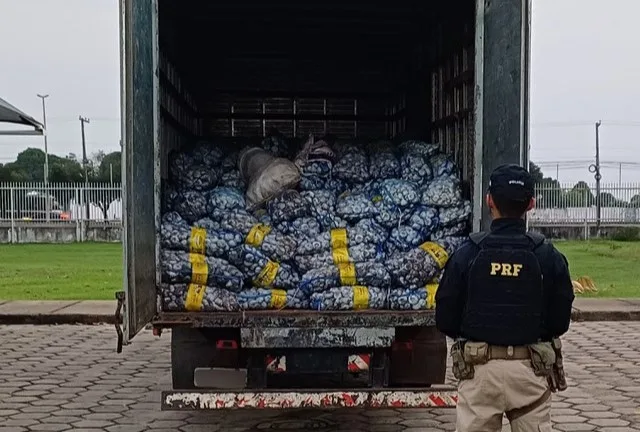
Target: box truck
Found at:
x=455, y=73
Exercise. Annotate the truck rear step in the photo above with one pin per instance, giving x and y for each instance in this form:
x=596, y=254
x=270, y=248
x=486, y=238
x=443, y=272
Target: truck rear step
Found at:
x=433, y=397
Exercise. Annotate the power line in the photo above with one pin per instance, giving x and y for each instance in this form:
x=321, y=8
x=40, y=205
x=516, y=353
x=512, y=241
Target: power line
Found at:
x=565, y=124
x=72, y=119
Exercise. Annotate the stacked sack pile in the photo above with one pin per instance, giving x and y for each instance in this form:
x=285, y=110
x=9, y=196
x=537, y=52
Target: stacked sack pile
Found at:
x=339, y=227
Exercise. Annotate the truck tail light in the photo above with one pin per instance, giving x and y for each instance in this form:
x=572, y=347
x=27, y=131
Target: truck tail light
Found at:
x=227, y=345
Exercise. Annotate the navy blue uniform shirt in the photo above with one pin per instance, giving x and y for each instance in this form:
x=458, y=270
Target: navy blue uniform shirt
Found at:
x=558, y=289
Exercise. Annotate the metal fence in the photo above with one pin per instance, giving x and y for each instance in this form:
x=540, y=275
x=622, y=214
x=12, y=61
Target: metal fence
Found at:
x=578, y=205
x=60, y=203
x=57, y=203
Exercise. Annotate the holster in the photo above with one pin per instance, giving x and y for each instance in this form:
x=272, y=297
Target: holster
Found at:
x=462, y=370
x=476, y=353
x=543, y=357
x=558, y=381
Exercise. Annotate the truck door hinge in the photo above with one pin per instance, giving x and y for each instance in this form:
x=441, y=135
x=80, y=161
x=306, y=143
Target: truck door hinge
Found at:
x=120, y=297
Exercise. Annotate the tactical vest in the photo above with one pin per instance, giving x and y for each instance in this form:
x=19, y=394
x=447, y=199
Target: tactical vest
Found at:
x=505, y=298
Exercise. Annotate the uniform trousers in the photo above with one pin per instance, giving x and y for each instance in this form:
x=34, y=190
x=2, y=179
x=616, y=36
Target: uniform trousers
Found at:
x=502, y=387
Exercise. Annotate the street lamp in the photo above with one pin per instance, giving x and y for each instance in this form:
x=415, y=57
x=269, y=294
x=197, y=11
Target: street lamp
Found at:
x=46, y=149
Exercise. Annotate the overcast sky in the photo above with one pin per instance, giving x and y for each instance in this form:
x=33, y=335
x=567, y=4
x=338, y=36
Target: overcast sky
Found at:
x=585, y=67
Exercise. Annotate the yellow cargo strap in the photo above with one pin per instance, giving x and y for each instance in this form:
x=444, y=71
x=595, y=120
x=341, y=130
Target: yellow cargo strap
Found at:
x=437, y=252
x=347, y=273
x=431, y=289
x=340, y=254
x=195, y=296
x=198, y=240
x=199, y=269
x=339, y=239
x=257, y=234
x=267, y=274
x=360, y=297
x=278, y=299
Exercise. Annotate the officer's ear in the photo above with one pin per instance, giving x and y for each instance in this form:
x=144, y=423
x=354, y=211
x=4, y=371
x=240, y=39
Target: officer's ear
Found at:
x=532, y=204
x=490, y=202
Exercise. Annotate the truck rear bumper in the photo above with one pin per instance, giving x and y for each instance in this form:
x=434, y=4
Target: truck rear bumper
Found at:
x=433, y=397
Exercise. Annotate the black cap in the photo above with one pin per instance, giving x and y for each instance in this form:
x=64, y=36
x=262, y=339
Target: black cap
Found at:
x=512, y=182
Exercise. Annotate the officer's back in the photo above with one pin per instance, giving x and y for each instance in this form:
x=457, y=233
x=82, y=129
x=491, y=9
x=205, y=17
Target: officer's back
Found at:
x=503, y=294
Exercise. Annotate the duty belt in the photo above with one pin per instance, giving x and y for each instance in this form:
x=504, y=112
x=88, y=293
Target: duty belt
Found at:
x=508, y=353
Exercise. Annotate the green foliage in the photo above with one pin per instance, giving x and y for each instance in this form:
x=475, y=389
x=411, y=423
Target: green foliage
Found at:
x=626, y=234
x=536, y=172
x=29, y=167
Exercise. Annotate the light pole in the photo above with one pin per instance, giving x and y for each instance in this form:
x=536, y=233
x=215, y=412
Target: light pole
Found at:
x=85, y=163
x=46, y=157
x=46, y=148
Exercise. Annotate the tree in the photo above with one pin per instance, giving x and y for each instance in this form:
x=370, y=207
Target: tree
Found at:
x=110, y=163
x=101, y=167
x=551, y=194
x=635, y=201
x=580, y=196
x=607, y=199
x=29, y=167
x=536, y=173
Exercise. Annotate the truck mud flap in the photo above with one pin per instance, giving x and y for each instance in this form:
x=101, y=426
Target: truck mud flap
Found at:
x=434, y=397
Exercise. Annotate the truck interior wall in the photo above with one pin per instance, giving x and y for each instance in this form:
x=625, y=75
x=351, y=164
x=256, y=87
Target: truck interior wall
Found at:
x=239, y=69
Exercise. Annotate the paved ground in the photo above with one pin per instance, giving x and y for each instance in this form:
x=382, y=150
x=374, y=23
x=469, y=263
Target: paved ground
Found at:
x=70, y=378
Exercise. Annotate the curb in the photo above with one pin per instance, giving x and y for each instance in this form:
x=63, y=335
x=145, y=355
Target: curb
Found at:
x=585, y=316
x=56, y=319
x=84, y=319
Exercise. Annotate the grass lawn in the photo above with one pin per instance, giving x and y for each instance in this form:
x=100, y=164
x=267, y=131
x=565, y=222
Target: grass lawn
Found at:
x=93, y=271
x=613, y=266
x=77, y=271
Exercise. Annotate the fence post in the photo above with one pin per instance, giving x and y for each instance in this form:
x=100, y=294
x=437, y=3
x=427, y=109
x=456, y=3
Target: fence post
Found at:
x=585, y=202
x=79, y=210
x=13, y=214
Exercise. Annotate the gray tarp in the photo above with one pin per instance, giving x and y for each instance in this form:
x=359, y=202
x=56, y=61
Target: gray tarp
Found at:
x=11, y=114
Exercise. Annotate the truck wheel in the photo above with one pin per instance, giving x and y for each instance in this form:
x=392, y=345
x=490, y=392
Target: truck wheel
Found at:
x=190, y=349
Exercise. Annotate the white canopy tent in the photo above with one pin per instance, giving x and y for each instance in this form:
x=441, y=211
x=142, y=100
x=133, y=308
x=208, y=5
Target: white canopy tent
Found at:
x=11, y=114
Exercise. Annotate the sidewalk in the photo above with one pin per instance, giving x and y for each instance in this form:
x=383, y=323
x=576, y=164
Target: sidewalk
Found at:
x=58, y=312
x=103, y=312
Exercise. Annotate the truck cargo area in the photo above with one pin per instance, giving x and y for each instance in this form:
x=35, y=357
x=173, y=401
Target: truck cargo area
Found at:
x=233, y=71
x=349, y=68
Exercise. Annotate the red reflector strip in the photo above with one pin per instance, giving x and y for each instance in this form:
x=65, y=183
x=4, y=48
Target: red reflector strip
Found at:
x=359, y=363
x=276, y=364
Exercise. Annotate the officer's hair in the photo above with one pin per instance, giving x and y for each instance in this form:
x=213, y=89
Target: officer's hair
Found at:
x=510, y=208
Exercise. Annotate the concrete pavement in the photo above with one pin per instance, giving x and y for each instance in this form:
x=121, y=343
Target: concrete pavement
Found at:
x=99, y=312
x=69, y=377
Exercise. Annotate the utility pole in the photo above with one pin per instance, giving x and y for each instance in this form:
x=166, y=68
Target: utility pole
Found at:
x=46, y=157
x=595, y=169
x=620, y=176
x=85, y=163
x=46, y=132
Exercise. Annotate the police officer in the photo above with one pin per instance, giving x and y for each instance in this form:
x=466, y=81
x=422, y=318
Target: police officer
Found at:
x=504, y=296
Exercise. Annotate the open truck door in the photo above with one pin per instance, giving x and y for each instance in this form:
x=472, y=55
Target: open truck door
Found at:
x=140, y=178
